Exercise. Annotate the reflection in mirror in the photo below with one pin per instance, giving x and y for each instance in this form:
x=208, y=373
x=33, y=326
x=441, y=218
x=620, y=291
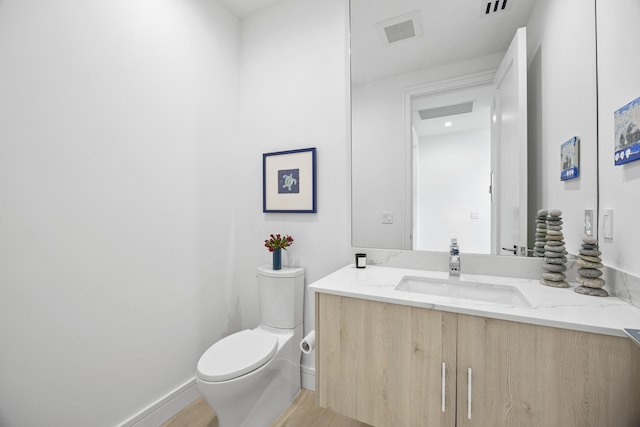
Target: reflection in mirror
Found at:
x=449, y=45
x=451, y=163
x=618, y=34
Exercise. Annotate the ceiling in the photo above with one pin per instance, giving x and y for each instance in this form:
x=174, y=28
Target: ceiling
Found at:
x=453, y=31
x=447, y=31
x=244, y=8
x=479, y=118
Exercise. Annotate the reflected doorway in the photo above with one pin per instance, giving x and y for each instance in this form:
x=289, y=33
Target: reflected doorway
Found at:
x=451, y=144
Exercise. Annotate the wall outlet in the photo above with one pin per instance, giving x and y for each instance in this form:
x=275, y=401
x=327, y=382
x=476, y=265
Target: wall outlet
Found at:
x=607, y=224
x=387, y=217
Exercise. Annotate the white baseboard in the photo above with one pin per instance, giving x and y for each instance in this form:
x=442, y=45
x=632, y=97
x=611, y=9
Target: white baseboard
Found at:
x=165, y=408
x=308, y=378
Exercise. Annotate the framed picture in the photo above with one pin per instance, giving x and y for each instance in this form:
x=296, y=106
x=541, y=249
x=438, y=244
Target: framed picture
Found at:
x=570, y=159
x=289, y=181
x=627, y=128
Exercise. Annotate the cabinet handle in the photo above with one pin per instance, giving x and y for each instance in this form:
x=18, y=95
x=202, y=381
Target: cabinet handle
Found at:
x=469, y=381
x=444, y=386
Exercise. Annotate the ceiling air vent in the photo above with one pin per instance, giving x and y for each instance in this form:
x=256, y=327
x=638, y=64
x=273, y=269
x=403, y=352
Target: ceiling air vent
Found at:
x=401, y=27
x=494, y=7
x=448, y=110
x=400, y=31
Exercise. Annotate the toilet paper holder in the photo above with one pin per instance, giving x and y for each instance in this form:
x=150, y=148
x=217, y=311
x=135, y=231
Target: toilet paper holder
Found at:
x=308, y=343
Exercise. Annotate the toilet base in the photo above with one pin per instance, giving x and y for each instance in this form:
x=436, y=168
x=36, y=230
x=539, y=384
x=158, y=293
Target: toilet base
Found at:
x=256, y=399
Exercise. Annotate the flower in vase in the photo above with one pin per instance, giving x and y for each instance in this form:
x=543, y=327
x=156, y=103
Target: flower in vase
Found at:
x=278, y=242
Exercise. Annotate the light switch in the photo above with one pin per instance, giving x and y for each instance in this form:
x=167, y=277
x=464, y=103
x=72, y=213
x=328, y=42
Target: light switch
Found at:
x=607, y=224
x=387, y=217
x=475, y=215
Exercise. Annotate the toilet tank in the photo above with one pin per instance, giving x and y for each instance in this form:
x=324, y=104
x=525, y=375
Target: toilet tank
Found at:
x=281, y=296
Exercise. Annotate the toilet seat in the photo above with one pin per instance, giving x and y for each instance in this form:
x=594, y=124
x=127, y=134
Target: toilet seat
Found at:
x=236, y=355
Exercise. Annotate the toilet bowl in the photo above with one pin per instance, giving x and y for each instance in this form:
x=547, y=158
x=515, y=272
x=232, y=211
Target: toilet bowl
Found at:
x=250, y=377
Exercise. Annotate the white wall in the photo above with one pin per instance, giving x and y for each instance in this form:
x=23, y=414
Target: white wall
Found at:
x=562, y=104
x=117, y=141
x=453, y=182
x=377, y=145
x=131, y=220
x=618, y=84
x=294, y=95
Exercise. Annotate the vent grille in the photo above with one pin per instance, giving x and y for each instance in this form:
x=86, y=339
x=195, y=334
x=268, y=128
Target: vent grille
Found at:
x=400, y=28
x=400, y=31
x=449, y=110
x=494, y=7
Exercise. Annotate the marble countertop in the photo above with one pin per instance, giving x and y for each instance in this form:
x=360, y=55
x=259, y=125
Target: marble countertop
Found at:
x=554, y=307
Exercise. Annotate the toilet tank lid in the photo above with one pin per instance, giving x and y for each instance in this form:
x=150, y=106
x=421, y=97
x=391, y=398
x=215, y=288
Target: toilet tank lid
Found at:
x=236, y=355
x=267, y=271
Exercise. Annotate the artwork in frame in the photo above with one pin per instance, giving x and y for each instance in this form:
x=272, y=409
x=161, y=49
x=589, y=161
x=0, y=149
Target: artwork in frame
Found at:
x=627, y=130
x=289, y=181
x=570, y=159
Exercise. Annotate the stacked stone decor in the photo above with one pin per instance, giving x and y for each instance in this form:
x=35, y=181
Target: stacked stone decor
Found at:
x=589, y=271
x=541, y=233
x=554, y=252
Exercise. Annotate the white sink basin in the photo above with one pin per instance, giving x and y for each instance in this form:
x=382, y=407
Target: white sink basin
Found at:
x=455, y=288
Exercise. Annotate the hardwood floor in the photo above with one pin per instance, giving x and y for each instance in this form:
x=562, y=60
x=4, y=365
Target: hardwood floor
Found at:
x=197, y=414
x=303, y=412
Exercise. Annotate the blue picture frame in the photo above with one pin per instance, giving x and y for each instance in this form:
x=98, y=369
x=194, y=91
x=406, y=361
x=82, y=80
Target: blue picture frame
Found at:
x=627, y=133
x=289, y=181
x=570, y=159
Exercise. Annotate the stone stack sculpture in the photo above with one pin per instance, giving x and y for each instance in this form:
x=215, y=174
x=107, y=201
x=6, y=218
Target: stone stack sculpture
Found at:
x=554, y=252
x=590, y=263
x=541, y=233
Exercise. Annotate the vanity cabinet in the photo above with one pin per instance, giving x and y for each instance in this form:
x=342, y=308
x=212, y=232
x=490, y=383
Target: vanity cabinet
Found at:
x=382, y=363
x=394, y=365
x=527, y=375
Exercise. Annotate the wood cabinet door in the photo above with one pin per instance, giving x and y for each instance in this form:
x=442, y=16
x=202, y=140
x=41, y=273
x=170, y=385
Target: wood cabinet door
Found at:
x=527, y=375
x=382, y=363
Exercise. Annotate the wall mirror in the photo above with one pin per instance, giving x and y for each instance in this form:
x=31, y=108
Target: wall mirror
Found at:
x=424, y=151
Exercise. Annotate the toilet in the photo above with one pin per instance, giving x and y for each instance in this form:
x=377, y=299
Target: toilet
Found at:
x=249, y=378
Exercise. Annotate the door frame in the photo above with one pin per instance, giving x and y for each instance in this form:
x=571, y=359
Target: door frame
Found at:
x=482, y=78
x=514, y=60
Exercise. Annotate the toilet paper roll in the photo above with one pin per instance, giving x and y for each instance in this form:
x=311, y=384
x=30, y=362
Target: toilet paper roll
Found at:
x=308, y=343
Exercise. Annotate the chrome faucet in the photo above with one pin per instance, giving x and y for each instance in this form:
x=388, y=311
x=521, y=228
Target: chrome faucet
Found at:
x=454, y=258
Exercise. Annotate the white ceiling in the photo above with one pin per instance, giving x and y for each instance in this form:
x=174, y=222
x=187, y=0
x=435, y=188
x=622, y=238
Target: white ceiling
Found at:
x=477, y=119
x=244, y=8
x=454, y=30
